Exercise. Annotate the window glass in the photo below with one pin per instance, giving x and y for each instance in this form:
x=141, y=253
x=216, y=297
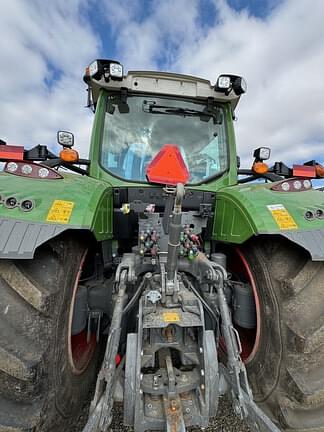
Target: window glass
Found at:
x=136, y=130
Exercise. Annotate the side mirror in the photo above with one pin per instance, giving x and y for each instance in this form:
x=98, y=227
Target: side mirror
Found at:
x=65, y=139
x=262, y=153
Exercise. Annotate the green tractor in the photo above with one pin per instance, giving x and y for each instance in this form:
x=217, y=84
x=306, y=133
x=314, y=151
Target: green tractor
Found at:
x=157, y=273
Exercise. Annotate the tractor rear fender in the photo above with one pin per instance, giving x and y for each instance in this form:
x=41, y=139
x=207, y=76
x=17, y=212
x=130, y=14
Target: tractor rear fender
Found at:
x=245, y=210
x=73, y=203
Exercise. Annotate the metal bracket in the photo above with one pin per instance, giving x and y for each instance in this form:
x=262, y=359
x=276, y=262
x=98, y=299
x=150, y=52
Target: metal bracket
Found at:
x=94, y=315
x=102, y=403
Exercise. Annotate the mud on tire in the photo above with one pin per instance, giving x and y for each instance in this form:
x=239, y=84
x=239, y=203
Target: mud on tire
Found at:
x=287, y=371
x=38, y=391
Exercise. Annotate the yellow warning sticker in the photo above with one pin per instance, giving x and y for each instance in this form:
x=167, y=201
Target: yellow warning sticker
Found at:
x=171, y=317
x=60, y=212
x=282, y=217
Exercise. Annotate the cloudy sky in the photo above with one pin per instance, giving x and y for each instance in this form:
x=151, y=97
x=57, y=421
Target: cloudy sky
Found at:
x=278, y=46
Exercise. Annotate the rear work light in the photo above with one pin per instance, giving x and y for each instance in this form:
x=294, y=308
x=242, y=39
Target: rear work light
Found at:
x=293, y=185
x=31, y=170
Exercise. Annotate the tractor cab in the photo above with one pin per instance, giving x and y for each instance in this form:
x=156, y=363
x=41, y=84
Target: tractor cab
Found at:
x=142, y=112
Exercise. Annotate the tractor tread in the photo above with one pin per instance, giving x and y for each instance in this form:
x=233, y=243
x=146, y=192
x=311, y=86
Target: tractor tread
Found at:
x=297, y=417
x=23, y=286
x=307, y=340
x=21, y=368
x=291, y=381
x=20, y=349
x=307, y=384
x=38, y=390
x=309, y=331
x=18, y=417
x=294, y=285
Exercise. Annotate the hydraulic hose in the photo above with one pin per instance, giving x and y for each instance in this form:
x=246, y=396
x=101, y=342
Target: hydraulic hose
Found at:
x=209, y=310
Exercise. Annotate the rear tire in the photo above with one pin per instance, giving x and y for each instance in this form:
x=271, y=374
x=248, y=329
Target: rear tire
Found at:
x=39, y=391
x=287, y=370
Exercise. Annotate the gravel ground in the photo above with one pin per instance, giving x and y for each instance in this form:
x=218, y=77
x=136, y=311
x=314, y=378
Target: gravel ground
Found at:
x=226, y=421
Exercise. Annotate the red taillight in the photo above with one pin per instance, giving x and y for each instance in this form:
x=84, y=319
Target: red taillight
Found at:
x=293, y=185
x=9, y=152
x=31, y=170
x=304, y=171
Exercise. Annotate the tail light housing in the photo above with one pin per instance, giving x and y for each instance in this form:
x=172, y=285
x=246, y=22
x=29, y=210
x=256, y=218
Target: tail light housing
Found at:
x=10, y=152
x=31, y=170
x=293, y=185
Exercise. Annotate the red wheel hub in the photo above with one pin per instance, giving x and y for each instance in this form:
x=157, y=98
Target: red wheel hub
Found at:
x=250, y=338
x=80, y=349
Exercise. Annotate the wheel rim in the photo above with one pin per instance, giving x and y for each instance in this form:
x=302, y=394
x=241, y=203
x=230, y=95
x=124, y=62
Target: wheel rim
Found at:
x=80, y=350
x=250, y=338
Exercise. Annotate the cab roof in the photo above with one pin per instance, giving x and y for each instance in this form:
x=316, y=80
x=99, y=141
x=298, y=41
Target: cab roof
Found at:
x=160, y=83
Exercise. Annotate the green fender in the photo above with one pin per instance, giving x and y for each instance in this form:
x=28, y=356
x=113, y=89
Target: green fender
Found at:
x=243, y=211
x=74, y=202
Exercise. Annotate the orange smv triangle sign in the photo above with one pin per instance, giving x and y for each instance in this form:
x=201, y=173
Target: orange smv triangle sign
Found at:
x=168, y=167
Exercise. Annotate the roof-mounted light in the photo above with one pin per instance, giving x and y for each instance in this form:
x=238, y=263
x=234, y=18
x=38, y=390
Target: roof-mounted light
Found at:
x=107, y=69
x=116, y=70
x=227, y=83
x=65, y=139
x=224, y=82
x=262, y=153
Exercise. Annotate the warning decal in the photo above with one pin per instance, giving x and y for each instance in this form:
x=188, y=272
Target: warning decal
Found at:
x=282, y=217
x=171, y=317
x=60, y=212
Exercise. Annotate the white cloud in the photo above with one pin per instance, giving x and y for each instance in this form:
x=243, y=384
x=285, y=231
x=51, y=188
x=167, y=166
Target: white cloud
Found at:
x=282, y=57
x=44, y=41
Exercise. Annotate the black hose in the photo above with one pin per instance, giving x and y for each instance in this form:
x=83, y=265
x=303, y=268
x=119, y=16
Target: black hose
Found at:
x=211, y=313
x=134, y=299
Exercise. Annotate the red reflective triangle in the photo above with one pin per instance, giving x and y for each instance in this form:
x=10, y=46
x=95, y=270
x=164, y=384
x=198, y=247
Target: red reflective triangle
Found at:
x=168, y=167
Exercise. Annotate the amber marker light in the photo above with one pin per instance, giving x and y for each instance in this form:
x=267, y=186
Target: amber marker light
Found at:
x=319, y=169
x=69, y=155
x=260, y=167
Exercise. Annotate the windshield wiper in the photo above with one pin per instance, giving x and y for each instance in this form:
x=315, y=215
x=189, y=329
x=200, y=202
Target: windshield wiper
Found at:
x=152, y=108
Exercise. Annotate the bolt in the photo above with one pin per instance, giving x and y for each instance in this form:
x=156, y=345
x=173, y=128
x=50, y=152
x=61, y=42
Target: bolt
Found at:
x=202, y=372
x=142, y=353
x=149, y=406
x=201, y=350
x=173, y=405
x=141, y=376
x=187, y=410
x=141, y=391
x=202, y=387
